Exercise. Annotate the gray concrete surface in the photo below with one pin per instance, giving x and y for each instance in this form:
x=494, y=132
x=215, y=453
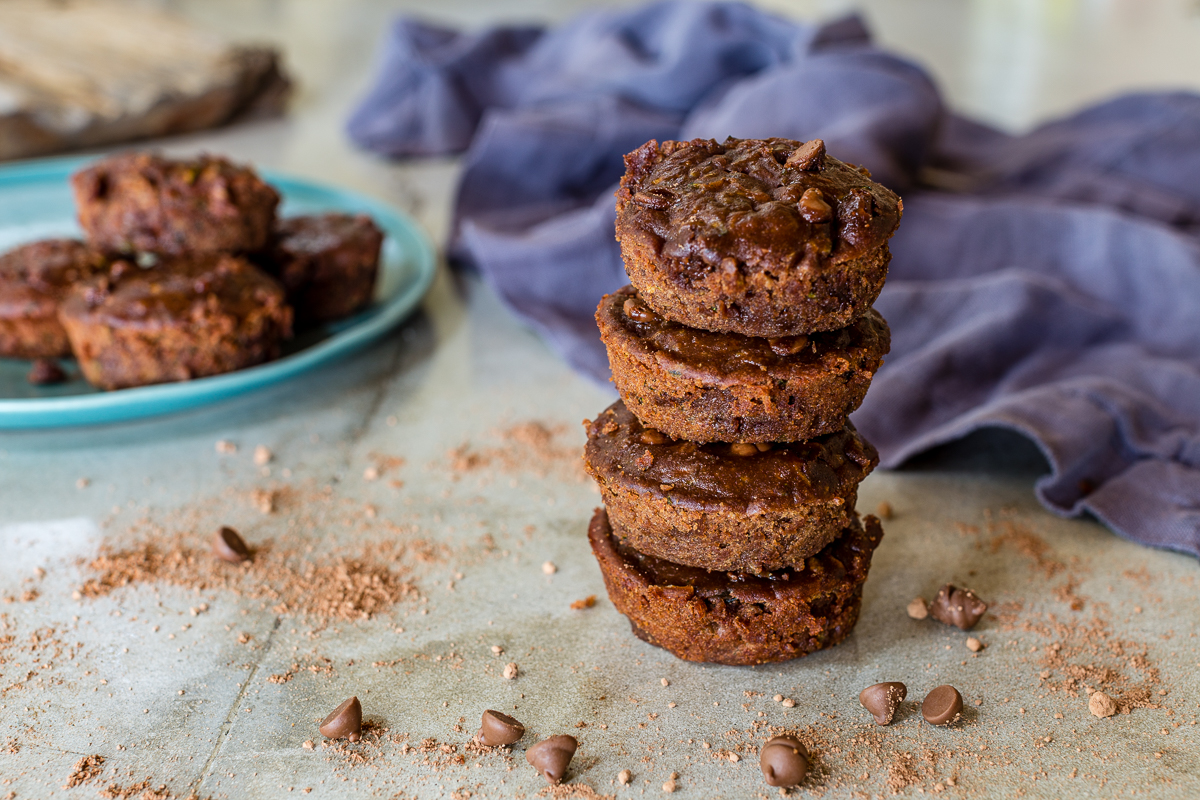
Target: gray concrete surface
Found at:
x=199, y=712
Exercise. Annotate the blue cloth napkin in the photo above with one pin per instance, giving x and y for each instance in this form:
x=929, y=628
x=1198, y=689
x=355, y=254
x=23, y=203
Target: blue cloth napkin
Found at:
x=1046, y=283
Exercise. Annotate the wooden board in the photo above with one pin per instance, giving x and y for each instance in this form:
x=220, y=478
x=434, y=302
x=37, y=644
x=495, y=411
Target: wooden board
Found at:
x=83, y=74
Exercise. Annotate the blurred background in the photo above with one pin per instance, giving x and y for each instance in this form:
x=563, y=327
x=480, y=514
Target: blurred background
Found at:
x=1010, y=63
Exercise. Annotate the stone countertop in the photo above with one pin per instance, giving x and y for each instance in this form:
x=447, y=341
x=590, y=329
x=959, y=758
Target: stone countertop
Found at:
x=441, y=468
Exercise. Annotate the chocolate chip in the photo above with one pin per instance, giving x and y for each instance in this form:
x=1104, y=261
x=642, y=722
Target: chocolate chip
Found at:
x=809, y=156
x=228, y=546
x=498, y=729
x=345, y=721
x=814, y=208
x=942, y=706
x=658, y=200
x=638, y=311
x=957, y=607
x=784, y=761
x=44, y=372
x=788, y=345
x=552, y=756
x=743, y=450
x=882, y=700
x=652, y=436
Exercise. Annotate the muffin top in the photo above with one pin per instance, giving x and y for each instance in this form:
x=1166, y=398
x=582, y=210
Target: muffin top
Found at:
x=768, y=204
x=833, y=563
x=318, y=233
x=143, y=202
x=740, y=478
x=176, y=292
x=35, y=277
x=730, y=359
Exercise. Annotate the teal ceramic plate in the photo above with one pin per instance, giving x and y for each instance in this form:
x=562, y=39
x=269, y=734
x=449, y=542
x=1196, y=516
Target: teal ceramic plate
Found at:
x=35, y=203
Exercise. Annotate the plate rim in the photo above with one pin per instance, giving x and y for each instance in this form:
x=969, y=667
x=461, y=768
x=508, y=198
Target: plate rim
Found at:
x=146, y=402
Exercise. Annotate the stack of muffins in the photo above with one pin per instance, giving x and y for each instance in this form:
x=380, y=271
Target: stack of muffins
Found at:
x=729, y=469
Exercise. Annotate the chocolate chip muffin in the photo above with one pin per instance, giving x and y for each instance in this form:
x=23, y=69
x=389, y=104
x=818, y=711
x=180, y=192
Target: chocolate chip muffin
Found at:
x=33, y=280
x=724, y=387
x=762, y=237
x=141, y=202
x=732, y=618
x=327, y=263
x=740, y=507
x=184, y=318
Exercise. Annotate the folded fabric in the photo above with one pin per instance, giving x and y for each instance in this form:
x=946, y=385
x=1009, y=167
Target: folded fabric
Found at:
x=1045, y=283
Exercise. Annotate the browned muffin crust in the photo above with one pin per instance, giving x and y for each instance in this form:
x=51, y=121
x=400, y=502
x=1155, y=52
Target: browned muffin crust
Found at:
x=183, y=318
x=724, y=387
x=141, y=202
x=33, y=280
x=730, y=618
x=703, y=505
x=327, y=263
x=762, y=237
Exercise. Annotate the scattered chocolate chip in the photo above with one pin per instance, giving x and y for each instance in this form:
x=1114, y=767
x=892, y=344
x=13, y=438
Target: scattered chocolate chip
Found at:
x=809, y=156
x=814, y=208
x=882, y=700
x=957, y=607
x=228, y=546
x=44, y=372
x=917, y=608
x=784, y=761
x=498, y=729
x=1101, y=705
x=552, y=756
x=345, y=721
x=743, y=450
x=942, y=706
x=788, y=345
